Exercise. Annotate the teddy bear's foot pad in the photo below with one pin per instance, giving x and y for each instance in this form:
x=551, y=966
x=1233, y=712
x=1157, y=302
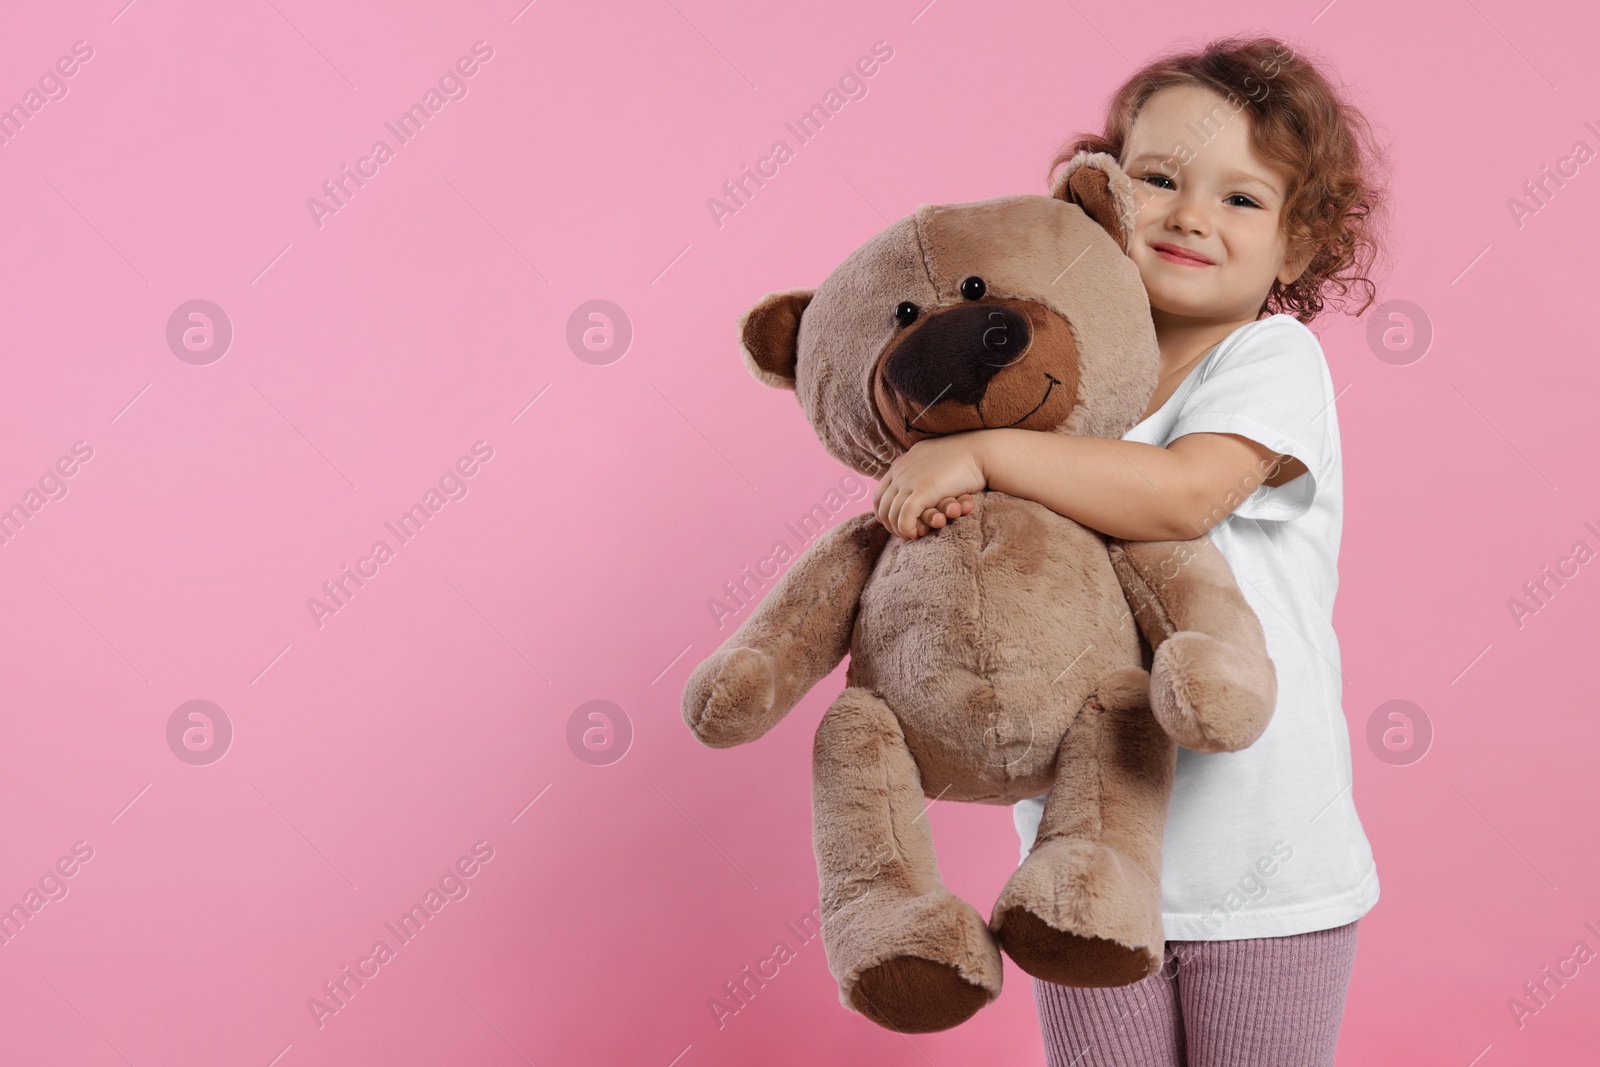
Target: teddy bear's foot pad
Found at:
x=913, y=964
x=912, y=995
x=1066, y=958
x=1080, y=913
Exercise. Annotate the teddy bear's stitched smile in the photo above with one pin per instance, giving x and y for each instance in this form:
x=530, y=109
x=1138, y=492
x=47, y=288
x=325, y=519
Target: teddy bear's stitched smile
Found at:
x=1053, y=380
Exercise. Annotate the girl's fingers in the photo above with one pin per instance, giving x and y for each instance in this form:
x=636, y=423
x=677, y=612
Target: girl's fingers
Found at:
x=899, y=523
x=949, y=508
x=887, y=508
x=891, y=511
x=893, y=506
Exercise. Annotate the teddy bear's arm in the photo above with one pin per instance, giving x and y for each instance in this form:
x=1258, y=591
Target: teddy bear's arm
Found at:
x=1212, y=685
x=792, y=640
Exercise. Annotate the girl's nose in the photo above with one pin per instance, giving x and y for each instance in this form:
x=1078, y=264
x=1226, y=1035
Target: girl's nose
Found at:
x=1189, y=215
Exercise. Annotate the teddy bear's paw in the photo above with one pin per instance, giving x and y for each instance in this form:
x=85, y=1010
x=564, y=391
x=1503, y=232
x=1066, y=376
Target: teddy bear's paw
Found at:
x=1080, y=913
x=911, y=995
x=729, y=698
x=1206, y=696
x=923, y=964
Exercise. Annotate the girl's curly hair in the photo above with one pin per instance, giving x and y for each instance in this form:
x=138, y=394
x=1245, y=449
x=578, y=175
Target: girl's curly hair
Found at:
x=1337, y=202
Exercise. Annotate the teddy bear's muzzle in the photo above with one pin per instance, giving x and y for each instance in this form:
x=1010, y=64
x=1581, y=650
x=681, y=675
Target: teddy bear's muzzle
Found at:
x=957, y=352
x=980, y=365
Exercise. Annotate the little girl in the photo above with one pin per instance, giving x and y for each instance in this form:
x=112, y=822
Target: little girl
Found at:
x=1257, y=195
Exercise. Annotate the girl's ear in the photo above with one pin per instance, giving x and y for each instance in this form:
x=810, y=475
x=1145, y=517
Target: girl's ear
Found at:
x=1095, y=182
x=1294, y=265
x=769, y=336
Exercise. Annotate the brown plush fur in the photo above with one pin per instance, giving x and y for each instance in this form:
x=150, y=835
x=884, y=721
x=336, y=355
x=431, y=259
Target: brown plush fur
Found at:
x=1012, y=652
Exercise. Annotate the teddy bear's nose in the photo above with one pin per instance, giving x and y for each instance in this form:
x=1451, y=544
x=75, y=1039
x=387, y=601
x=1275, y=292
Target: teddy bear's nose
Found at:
x=955, y=352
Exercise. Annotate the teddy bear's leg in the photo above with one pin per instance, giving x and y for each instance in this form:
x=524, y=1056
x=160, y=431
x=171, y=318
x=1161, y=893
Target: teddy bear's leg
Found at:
x=1084, y=909
x=906, y=952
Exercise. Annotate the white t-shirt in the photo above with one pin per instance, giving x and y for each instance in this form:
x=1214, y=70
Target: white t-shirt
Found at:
x=1265, y=842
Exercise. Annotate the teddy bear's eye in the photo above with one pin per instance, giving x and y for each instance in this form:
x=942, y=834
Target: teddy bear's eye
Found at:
x=906, y=313
x=973, y=288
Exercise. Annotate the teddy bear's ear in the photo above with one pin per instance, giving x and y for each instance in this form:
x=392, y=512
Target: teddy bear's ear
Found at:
x=769, y=335
x=1095, y=182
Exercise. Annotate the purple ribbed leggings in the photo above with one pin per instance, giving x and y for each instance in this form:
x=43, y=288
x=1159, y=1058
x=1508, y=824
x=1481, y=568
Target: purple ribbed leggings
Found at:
x=1250, y=1002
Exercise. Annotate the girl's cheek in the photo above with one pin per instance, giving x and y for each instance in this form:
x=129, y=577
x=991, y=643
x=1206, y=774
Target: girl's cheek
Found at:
x=1144, y=271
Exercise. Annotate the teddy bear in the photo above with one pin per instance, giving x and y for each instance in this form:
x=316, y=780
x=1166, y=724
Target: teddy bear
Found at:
x=1008, y=653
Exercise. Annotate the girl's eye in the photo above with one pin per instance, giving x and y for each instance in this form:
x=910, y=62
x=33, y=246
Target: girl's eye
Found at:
x=1163, y=178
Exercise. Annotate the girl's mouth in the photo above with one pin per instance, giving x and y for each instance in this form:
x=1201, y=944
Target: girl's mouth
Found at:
x=1173, y=254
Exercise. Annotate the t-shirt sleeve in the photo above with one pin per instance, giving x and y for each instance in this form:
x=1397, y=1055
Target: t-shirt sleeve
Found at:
x=1270, y=386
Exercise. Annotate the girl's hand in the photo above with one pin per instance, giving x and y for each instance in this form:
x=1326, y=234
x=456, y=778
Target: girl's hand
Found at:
x=929, y=484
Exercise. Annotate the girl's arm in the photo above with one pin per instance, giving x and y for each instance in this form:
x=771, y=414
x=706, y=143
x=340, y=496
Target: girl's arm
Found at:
x=1128, y=489
x=1124, y=489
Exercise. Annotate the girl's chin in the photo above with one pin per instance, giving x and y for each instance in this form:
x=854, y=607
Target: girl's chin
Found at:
x=1176, y=305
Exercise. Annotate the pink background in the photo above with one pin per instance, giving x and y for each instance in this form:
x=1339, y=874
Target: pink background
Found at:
x=431, y=711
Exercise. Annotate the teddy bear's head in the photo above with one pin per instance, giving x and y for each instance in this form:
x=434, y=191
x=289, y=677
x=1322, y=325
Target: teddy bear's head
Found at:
x=1017, y=311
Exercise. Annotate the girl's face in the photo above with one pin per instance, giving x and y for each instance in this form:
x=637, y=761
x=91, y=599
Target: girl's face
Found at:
x=1212, y=199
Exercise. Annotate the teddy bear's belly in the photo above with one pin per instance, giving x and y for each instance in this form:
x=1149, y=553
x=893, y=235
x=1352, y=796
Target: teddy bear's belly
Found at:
x=985, y=638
